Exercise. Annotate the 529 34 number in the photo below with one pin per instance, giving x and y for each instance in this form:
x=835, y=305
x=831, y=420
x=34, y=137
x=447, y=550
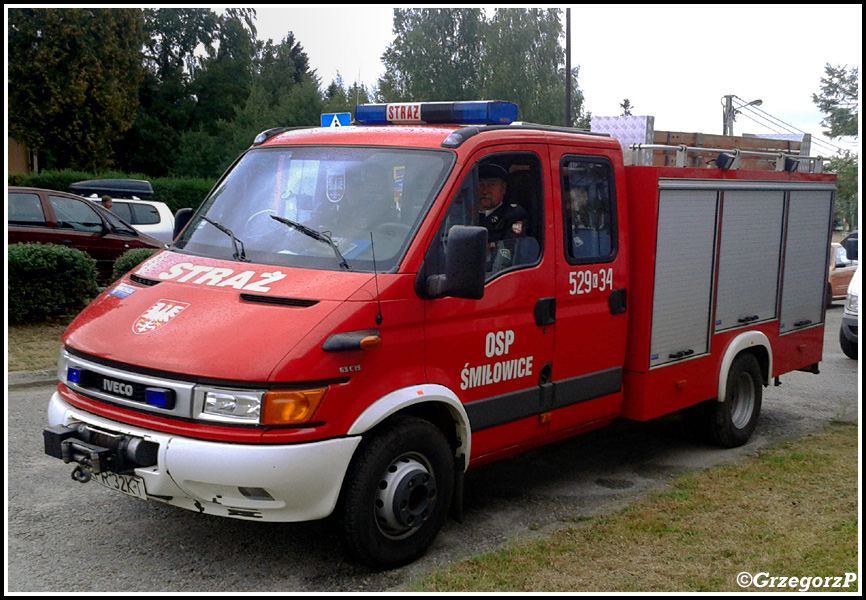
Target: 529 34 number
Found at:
x=585, y=282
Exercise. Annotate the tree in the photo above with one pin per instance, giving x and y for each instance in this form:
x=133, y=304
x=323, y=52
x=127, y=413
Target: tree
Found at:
x=626, y=107
x=435, y=55
x=279, y=67
x=524, y=63
x=223, y=79
x=338, y=98
x=73, y=81
x=166, y=102
x=459, y=54
x=846, y=168
x=839, y=101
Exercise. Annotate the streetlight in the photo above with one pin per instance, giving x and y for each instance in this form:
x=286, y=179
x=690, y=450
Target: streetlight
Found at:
x=729, y=113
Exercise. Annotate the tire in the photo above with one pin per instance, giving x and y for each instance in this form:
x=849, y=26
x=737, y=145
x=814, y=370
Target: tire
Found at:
x=397, y=493
x=733, y=420
x=848, y=347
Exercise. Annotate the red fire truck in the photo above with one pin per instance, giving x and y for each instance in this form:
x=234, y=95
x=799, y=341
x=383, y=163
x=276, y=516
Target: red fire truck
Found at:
x=333, y=333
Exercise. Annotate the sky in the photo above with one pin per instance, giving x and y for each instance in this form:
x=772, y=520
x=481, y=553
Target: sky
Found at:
x=673, y=62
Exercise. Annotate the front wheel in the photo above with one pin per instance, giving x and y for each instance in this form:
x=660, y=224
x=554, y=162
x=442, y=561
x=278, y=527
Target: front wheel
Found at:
x=396, y=494
x=733, y=420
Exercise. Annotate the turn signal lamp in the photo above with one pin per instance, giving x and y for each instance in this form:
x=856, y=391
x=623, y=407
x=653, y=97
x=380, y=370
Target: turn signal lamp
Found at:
x=282, y=407
x=481, y=112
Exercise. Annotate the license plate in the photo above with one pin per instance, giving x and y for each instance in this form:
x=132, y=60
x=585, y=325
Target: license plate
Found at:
x=125, y=484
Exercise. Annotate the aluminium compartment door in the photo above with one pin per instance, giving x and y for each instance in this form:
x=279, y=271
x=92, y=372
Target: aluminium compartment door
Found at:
x=684, y=274
x=804, y=280
x=749, y=257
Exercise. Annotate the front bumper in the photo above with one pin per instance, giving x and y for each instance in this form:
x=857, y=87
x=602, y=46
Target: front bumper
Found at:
x=850, y=327
x=299, y=482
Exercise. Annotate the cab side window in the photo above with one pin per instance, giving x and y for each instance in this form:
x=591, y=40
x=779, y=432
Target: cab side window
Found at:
x=589, y=209
x=504, y=194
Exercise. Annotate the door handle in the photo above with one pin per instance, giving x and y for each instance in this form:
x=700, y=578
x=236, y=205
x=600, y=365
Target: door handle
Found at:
x=618, y=301
x=545, y=312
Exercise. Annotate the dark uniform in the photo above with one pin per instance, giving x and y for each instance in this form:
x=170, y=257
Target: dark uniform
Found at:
x=505, y=222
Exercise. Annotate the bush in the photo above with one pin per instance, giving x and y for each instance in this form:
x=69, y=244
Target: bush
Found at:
x=176, y=192
x=48, y=280
x=130, y=259
x=181, y=193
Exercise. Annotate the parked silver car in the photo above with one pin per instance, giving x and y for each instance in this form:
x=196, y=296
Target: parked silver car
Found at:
x=130, y=202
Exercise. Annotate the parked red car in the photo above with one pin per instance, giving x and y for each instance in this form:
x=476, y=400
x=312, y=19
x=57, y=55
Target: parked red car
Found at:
x=52, y=217
x=841, y=271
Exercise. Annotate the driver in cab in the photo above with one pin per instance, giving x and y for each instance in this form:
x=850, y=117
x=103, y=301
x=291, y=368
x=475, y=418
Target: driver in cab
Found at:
x=503, y=221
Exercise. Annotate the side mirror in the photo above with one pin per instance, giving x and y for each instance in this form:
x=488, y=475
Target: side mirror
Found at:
x=181, y=218
x=464, y=266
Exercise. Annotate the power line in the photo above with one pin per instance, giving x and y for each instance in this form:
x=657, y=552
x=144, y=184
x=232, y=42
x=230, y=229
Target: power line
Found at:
x=779, y=123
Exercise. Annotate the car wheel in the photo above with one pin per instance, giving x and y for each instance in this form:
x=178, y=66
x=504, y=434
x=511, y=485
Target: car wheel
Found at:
x=396, y=494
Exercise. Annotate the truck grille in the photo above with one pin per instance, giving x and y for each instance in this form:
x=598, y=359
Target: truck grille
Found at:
x=133, y=390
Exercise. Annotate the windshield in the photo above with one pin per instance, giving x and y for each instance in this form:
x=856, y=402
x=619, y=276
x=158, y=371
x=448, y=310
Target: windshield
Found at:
x=318, y=207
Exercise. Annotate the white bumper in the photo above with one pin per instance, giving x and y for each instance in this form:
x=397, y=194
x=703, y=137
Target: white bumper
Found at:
x=302, y=481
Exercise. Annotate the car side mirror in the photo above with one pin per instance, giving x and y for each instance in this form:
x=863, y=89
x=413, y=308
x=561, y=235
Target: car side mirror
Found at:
x=181, y=218
x=466, y=258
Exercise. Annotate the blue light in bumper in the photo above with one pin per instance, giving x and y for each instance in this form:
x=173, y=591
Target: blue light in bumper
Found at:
x=73, y=375
x=157, y=397
x=481, y=112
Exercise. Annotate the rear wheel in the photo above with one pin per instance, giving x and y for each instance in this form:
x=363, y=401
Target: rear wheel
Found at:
x=733, y=420
x=396, y=494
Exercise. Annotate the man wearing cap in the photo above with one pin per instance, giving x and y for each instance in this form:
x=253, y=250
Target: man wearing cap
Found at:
x=503, y=221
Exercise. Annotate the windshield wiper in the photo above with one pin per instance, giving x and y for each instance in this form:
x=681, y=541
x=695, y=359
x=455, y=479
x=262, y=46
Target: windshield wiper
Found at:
x=316, y=235
x=239, y=253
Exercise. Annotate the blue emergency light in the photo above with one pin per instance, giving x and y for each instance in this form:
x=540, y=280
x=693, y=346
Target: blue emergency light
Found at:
x=480, y=112
x=158, y=397
x=73, y=374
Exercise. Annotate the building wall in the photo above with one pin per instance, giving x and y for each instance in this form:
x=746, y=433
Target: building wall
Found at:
x=20, y=160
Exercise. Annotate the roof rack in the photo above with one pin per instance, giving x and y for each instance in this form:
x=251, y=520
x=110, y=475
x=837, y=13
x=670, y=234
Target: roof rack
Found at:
x=729, y=159
x=116, y=188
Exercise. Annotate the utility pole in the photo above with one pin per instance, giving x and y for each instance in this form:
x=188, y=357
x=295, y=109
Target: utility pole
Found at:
x=728, y=116
x=729, y=112
x=568, y=122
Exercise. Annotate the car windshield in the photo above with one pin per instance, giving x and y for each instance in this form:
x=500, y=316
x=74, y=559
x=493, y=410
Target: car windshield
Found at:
x=318, y=207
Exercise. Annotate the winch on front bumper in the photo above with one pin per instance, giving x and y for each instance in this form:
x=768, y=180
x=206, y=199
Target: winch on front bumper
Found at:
x=96, y=451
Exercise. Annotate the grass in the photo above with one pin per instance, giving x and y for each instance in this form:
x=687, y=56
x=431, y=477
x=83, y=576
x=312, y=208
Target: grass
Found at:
x=34, y=347
x=790, y=512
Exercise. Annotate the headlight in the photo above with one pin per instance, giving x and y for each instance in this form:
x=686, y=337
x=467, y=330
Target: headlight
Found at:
x=228, y=406
x=274, y=407
x=852, y=303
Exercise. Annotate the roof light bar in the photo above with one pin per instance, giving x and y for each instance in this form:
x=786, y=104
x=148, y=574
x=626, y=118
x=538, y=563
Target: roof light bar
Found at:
x=481, y=112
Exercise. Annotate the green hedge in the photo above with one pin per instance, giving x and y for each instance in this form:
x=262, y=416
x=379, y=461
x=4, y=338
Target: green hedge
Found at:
x=176, y=192
x=47, y=280
x=130, y=259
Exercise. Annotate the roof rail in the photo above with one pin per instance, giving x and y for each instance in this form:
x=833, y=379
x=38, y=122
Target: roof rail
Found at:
x=461, y=135
x=729, y=158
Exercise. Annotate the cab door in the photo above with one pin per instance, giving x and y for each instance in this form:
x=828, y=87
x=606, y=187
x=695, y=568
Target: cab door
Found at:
x=495, y=353
x=591, y=299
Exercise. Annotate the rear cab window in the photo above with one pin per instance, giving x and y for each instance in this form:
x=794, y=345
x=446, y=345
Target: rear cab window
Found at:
x=588, y=209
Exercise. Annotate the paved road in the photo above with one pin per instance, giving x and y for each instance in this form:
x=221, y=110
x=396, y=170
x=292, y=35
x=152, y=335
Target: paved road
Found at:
x=68, y=537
